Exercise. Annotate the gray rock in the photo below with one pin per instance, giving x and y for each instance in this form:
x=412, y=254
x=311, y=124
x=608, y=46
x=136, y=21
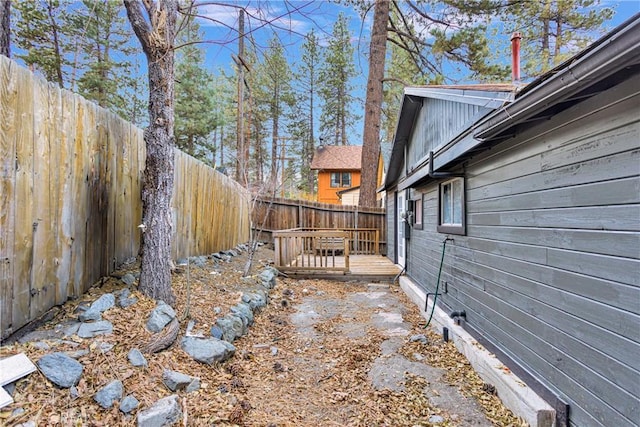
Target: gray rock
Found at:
x=268, y=277
x=68, y=329
x=207, y=350
x=123, y=293
x=126, y=302
x=29, y=423
x=231, y=252
x=41, y=345
x=420, y=338
x=244, y=310
x=104, y=347
x=160, y=317
x=74, y=393
x=216, y=332
x=232, y=327
x=17, y=411
x=217, y=310
x=90, y=330
x=274, y=351
x=216, y=255
x=10, y=388
x=182, y=261
x=128, y=404
x=164, y=412
x=436, y=419
x=109, y=394
x=176, y=381
x=99, y=306
x=77, y=354
x=60, y=369
x=128, y=279
x=136, y=358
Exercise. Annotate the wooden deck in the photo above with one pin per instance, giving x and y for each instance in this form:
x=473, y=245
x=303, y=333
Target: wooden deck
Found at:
x=371, y=268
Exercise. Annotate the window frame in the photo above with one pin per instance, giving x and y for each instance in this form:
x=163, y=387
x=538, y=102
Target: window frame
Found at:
x=340, y=181
x=418, y=212
x=452, y=227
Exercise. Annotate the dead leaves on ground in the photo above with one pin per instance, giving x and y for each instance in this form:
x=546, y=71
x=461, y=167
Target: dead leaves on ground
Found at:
x=277, y=378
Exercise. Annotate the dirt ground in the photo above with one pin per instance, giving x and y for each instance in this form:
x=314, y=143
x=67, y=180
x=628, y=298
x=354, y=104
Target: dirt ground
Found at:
x=281, y=375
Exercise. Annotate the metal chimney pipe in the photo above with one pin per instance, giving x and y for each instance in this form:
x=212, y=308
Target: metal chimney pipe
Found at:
x=515, y=57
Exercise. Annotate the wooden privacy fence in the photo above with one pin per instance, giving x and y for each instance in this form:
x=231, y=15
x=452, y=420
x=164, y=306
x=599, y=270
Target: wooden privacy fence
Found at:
x=70, y=205
x=270, y=215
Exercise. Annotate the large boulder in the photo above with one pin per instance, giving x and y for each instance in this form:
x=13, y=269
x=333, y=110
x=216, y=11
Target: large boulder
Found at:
x=207, y=350
x=109, y=394
x=165, y=412
x=160, y=317
x=60, y=369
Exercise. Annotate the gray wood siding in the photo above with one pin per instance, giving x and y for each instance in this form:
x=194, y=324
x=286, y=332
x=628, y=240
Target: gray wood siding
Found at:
x=549, y=270
x=391, y=224
x=439, y=121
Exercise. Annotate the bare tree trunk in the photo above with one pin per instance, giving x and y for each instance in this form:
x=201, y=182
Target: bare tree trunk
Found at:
x=156, y=33
x=5, y=28
x=373, y=105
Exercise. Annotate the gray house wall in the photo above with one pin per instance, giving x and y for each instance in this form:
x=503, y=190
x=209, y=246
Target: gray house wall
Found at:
x=549, y=269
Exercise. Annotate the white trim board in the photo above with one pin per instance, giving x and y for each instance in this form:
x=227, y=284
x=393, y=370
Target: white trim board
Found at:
x=11, y=369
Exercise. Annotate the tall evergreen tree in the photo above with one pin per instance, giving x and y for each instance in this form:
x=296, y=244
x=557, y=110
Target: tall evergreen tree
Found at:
x=154, y=24
x=42, y=32
x=303, y=119
x=194, y=97
x=104, y=44
x=335, y=91
x=274, y=96
x=553, y=30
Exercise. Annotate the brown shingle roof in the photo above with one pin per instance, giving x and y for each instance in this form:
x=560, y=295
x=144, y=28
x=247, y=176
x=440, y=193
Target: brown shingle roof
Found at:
x=337, y=157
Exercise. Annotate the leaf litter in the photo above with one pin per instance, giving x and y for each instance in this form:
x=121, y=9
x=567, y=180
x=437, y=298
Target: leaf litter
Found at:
x=278, y=377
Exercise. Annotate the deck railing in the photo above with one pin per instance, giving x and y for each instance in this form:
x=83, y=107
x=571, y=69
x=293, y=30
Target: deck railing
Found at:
x=322, y=249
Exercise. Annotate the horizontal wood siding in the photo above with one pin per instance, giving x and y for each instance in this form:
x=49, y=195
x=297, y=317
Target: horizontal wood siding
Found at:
x=549, y=270
x=70, y=205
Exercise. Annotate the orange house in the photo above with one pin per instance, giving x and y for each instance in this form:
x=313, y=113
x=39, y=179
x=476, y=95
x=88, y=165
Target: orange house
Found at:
x=339, y=169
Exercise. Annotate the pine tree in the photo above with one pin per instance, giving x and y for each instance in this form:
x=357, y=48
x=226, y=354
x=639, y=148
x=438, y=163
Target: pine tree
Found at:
x=42, y=32
x=274, y=96
x=194, y=101
x=155, y=27
x=335, y=90
x=104, y=45
x=553, y=30
x=303, y=119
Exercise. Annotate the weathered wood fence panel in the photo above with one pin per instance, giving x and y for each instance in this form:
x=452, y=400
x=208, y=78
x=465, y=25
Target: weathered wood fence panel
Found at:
x=284, y=214
x=70, y=185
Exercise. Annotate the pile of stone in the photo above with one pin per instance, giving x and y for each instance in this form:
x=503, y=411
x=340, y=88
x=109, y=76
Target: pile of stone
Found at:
x=63, y=370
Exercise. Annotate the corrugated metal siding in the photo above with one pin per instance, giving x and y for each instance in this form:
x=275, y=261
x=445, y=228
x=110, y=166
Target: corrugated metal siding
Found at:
x=550, y=268
x=438, y=122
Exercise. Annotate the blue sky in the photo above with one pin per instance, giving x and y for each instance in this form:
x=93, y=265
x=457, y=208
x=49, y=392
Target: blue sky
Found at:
x=294, y=18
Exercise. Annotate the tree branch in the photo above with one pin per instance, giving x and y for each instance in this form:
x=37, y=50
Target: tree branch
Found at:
x=139, y=24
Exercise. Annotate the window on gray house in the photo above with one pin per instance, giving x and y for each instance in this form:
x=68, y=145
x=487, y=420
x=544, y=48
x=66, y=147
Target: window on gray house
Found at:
x=417, y=212
x=451, y=218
